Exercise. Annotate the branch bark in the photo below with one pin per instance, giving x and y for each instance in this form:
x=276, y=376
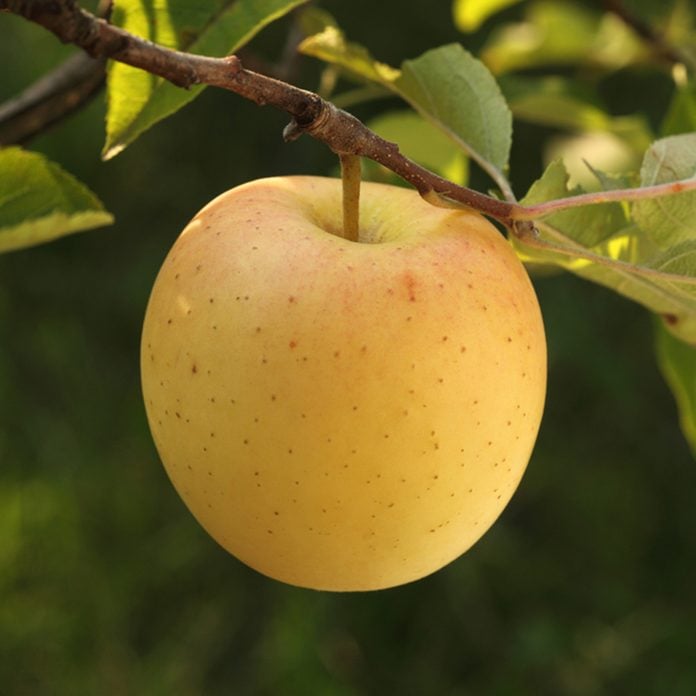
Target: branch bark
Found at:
x=339, y=130
x=310, y=114
x=53, y=97
x=671, y=188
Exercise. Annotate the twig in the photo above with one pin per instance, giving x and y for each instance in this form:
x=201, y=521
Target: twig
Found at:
x=339, y=130
x=540, y=210
x=646, y=32
x=53, y=97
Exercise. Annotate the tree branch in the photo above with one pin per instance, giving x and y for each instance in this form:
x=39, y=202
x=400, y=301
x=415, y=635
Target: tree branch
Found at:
x=339, y=130
x=671, y=188
x=51, y=98
x=662, y=48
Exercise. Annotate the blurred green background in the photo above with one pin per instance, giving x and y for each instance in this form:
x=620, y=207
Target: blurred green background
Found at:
x=586, y=585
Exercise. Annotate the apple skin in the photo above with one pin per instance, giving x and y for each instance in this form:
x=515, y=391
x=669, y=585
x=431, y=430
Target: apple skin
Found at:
x=342, y=415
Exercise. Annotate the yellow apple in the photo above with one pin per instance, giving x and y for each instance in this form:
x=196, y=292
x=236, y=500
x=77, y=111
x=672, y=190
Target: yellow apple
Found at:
x=342, y=415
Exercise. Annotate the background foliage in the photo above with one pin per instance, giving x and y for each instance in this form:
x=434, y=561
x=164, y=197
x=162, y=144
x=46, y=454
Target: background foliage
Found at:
x=107, y=585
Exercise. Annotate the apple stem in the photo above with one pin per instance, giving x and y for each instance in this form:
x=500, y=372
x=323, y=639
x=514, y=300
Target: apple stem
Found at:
x=351, y=176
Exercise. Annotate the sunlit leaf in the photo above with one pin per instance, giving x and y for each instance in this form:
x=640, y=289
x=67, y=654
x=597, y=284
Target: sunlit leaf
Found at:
x=469, y=15
x=332, y=47
x=592, y=243
x=138, y=100
x=40, y=202
x=677, y=362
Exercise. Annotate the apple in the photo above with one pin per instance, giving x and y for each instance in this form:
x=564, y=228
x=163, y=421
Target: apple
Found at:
x=342, y=415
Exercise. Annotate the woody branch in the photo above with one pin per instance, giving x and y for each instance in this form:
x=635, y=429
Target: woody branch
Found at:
x=342, y=132
x=339, y=130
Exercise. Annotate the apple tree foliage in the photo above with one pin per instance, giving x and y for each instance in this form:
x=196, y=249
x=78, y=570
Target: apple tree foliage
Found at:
x=540, y=64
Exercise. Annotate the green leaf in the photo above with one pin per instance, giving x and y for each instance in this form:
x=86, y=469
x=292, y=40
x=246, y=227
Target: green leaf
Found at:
x=447, y=86
x=588, y=226
x=670, y=219
x=332, y=47
x=40, y=202
x=469, y=15
x=597, y=243
x=422, y=142
x=677, y=361
x=138, y=100
x=681, y=116
x=454, y=90
x=610, y=181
